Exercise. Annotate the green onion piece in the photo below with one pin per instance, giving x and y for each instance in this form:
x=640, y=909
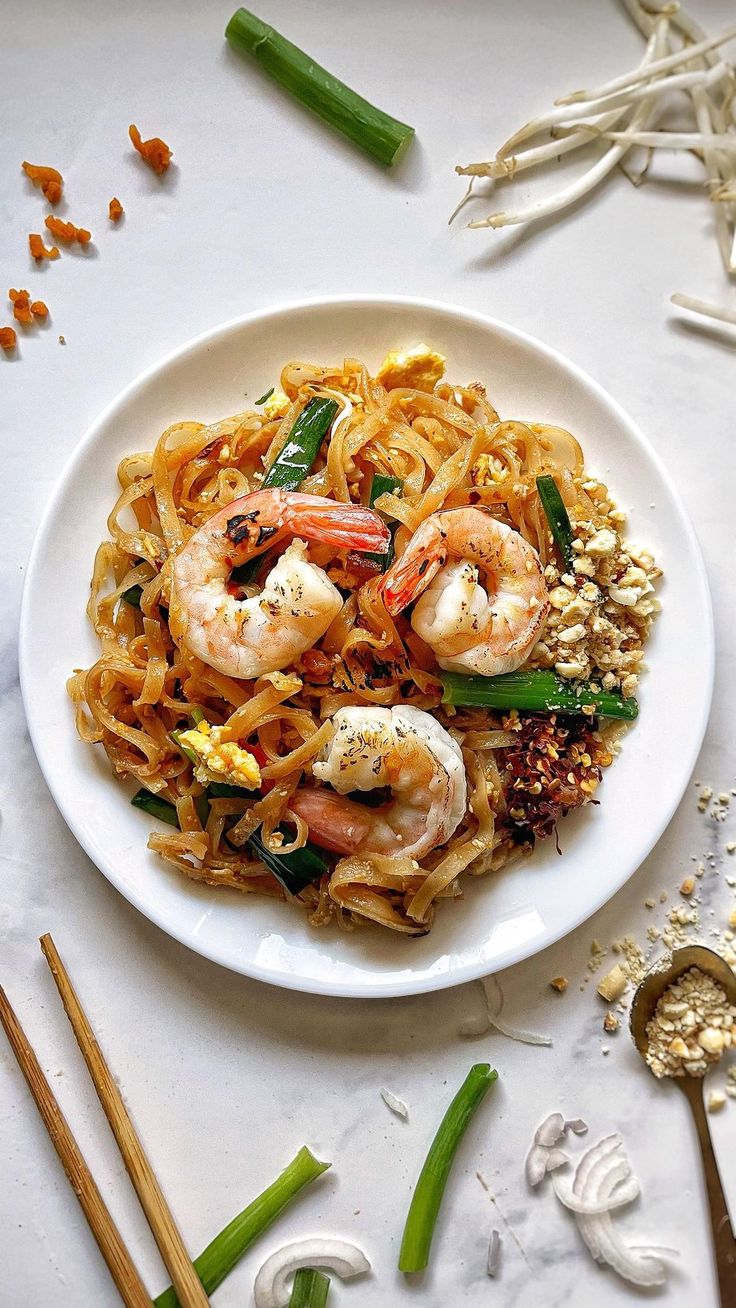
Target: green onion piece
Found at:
x=557, y=517
x=132, y=596
x=196, y=714
x=381, y=485
x=295, y=870
x=158, y=808
x=427, y=1197
x=301, y=447
x=310, y=1289
x=223, y=790
x=186, y=750
x=294, y=460
x=202, y=807
x=370, y=128
x=219, y=1258
x=536, y=689
x=262, y=399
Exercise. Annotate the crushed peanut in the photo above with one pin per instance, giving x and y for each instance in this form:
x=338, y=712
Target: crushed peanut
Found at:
x=8, y=339
x=115, y=210
x=692, y=1025
x=611, y=1023
x=716, y=1101
x=559, y=983
x=601, y=611
x=613, y=984
x=687, y=886
x=49, y=179
x=154, y=152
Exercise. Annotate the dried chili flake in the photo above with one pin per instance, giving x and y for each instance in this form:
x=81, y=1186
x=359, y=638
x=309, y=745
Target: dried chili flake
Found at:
x=115, y=210
x=67, y=232
x=39, y=250
x=8, y=339
x=154, y=152
x=23, y=310
x=49, y=179
x=21, y=302
x=554, y=765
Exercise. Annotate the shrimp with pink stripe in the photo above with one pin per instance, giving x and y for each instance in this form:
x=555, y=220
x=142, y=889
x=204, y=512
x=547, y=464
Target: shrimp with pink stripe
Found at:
x=481, y=598
x=249, y=630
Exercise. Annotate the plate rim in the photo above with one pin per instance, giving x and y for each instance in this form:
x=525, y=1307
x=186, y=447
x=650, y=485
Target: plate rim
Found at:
x=470, y=972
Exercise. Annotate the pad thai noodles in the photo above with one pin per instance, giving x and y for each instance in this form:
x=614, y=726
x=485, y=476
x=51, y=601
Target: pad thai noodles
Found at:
x=362, y=639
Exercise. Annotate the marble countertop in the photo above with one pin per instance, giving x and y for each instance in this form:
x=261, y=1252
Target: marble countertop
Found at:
x=225, y=1077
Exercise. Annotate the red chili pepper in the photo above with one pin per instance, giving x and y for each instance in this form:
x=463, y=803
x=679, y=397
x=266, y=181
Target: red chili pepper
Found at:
x=261, y=759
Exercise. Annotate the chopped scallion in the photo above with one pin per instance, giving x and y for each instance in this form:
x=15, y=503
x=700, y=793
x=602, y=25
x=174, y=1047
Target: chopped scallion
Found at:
x=427, y=1197
x=293, y=461
x=537, y=690
x=262, y=398
x=557, y=517
x=382, y=484
x=295, y=871
x=219, y=1258
x=310, y=1289
x=186, y=750
x=156, y=807
x=373, y=130
x=132, y=596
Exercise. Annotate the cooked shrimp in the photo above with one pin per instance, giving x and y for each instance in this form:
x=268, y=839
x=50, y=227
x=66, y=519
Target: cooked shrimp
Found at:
x=403, y=748
x=267, y=628
x=481, y=596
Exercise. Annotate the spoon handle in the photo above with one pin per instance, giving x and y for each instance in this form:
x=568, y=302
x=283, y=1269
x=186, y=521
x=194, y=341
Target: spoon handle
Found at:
x=724, y=1244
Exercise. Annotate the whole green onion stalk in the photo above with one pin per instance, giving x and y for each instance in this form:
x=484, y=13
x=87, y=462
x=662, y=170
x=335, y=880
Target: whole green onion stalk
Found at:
x=219, y=1258
x=427, y=1197
x=536, y=690
x=373, y=130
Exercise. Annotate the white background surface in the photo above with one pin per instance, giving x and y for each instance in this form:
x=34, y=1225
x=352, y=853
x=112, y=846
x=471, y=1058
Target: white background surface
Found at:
x=227, y=1078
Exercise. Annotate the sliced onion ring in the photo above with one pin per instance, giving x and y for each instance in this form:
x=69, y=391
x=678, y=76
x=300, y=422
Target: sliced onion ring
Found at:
x=271, y=1288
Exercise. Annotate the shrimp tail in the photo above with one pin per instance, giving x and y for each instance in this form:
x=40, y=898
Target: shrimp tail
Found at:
x=347, y=526
x=408, y=577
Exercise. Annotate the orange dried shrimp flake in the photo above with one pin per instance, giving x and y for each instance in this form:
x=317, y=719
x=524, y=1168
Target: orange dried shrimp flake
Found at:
x=49, y=179
x=67, y=232
x=115, y=210
x=23, y=310
x=155, y=152
x=39, y=250
x=8, y=338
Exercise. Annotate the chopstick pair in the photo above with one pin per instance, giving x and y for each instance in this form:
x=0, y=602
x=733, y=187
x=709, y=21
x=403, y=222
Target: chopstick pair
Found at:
x=189, y=1288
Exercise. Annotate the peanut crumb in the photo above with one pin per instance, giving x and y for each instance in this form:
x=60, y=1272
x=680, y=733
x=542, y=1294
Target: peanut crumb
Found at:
x=115, y=210
x=716, y=1101
x=8, y=339
x=613, y=984
x=559, y=983
x=611, y=1023
x=687, y=886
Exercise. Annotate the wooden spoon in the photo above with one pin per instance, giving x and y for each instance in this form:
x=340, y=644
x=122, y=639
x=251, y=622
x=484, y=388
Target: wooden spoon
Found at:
x=643, y=1005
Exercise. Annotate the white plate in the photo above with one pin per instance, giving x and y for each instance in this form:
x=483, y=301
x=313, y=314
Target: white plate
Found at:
x=502, y=919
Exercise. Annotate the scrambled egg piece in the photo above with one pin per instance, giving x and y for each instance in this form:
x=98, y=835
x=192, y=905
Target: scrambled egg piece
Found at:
x=221, y=760
x=276, y=406
x=487, y=470
x=419, y=368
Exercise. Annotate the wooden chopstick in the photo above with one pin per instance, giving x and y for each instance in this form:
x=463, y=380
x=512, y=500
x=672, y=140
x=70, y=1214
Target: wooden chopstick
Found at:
x=122, y=1268
x=189, y=1288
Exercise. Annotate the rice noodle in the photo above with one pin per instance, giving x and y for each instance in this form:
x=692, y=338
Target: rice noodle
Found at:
x=146, y=682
